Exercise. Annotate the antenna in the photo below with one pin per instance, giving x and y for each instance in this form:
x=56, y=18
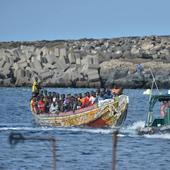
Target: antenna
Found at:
x=154, y=81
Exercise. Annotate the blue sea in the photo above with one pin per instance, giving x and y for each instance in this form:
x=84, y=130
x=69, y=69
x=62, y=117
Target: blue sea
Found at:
x=78, y=148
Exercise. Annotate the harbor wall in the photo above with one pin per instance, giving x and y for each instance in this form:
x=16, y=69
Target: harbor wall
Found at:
x=87, y=62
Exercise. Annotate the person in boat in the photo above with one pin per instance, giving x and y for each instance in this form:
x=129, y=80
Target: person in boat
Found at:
x=117, y=90
x=80, y=100
x=41, y=94
x=80, y=96
x=87, y=97
x=61, y=102
x=97, y=95
x=57, y=97
x=36, y=86
x=163, y=108
x=45, y=93
x=74, y=102
x=79, y=103
x=84, y=100
x=100, y=98
x=107, y=93
x=54, y=107
x=67, y=103
x=92, y=98
x=34, y=105
x=41, y=105
x=54, y=96
x=46, y=104
x=50, y=98
x=31, y=103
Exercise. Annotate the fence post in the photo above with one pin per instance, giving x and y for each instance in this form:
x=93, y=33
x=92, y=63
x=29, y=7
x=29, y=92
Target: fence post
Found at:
x=15, y=138
x=114, y=144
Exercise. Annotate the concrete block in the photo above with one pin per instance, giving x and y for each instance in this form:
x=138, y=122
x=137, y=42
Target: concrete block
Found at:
x=47, y=74
x=63, y=60
x=2, y=53
x=8, y=52
x=28, y=74
x=78, y=60
x=56, y=52
x=71, y=58
x=57, y=73
x=6, y=69
x=6, y=58
x=15, y=66
x=7, y=82
x=36, y=64
x=50, y=66
x=2, y=63
x=63, y=52
x=22, y=64
x=51, y=59
x=93, y=75
x=19, y=74
x=92, y=62
x=44, y=51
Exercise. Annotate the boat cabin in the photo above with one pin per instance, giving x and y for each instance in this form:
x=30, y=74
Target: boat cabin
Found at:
x=164, y=111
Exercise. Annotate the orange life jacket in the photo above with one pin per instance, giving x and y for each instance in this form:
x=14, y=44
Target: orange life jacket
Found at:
x=82, y=102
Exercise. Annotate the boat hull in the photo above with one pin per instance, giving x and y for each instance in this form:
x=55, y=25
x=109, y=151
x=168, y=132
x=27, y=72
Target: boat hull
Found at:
x=153, y=130
x=109, y=114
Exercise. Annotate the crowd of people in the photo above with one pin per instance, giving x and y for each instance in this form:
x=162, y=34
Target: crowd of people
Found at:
x=52, y=102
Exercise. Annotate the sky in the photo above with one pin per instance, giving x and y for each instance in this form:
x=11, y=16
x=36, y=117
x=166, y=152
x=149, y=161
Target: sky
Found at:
x=30, y=20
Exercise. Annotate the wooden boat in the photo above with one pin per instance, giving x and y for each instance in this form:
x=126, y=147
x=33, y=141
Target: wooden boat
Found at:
x=110, y=113
x=157, y=124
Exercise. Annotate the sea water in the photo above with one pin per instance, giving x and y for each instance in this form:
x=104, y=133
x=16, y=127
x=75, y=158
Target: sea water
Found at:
x=78, y=148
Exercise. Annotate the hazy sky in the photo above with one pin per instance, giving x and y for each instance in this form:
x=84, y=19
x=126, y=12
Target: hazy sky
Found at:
x=75, y=19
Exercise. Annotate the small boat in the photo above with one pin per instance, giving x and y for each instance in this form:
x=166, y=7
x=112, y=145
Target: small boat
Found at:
x=157, y=124
x=110, y=113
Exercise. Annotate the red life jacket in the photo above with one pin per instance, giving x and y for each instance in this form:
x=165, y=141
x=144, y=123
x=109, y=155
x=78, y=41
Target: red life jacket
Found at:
x=86, y=99
x=40, y=105
x=82, y=102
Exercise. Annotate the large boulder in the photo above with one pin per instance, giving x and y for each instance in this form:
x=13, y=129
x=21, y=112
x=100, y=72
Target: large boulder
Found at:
x=131, y=81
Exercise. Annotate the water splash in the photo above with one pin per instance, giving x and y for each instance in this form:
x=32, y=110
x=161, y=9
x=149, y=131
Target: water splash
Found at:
x=132, y=129
x=158, y=136
x=88, y=130
x=25, y=128
x=136, y=125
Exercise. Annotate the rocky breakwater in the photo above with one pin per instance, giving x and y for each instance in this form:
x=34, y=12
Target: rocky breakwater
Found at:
x=87, y=62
